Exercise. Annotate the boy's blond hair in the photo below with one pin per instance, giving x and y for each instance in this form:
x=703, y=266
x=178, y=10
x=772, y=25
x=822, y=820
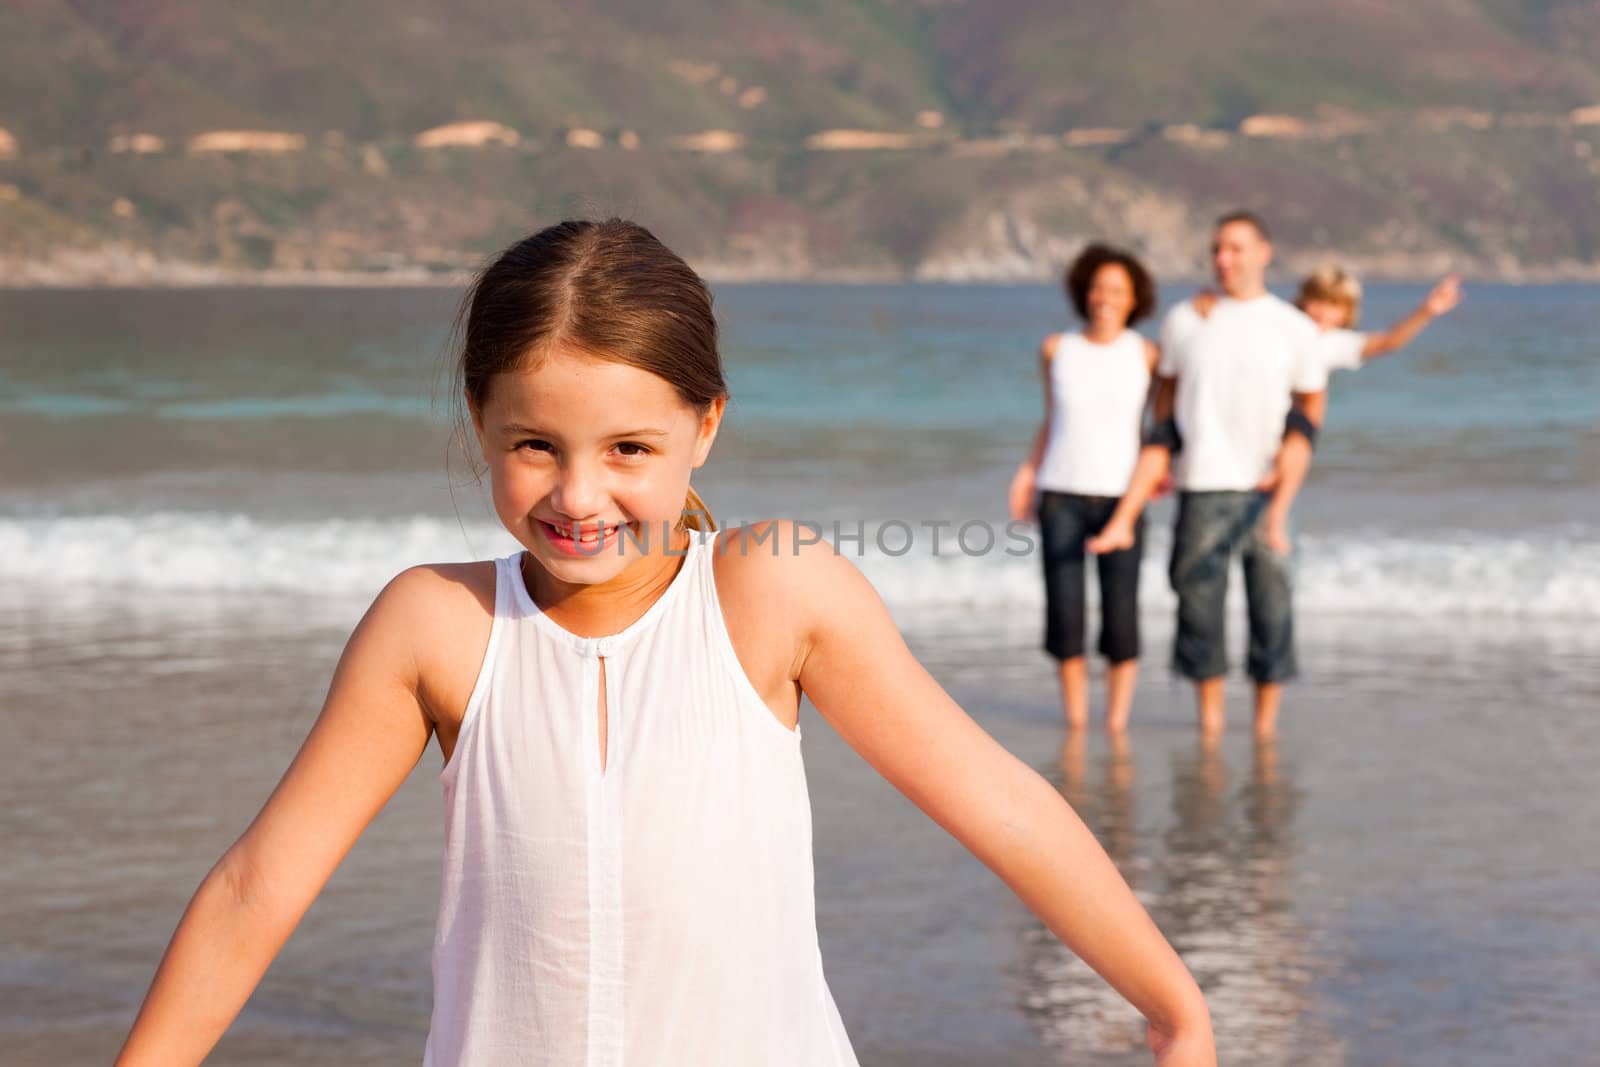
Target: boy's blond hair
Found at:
x=1333, y=285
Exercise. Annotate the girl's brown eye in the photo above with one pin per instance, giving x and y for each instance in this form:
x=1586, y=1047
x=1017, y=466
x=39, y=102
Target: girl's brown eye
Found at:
x=630, y=448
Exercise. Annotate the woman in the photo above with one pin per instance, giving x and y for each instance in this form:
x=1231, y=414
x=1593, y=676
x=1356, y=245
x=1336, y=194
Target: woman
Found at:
x=1096, y=382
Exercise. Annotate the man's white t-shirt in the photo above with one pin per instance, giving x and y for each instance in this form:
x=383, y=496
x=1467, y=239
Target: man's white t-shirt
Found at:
x=1236, y=371
x=1341, y=349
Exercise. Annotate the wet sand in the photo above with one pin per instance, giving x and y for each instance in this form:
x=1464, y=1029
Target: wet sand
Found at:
x=1405, y=877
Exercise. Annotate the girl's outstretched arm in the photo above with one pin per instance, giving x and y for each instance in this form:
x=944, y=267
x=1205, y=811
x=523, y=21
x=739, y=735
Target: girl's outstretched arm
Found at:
x=371, y=733
x=859, y=673
x=1442, y=298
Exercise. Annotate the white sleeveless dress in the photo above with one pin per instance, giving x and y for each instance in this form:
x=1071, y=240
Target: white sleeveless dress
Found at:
x=657, y=913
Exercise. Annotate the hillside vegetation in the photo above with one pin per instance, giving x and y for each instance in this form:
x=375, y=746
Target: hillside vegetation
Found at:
x=155, y=140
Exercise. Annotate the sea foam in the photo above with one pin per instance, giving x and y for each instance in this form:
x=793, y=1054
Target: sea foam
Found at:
x=1554, y=575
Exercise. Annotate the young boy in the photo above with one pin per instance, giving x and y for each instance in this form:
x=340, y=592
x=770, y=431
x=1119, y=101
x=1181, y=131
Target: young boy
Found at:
x=1333, y=300
x=1331, y=297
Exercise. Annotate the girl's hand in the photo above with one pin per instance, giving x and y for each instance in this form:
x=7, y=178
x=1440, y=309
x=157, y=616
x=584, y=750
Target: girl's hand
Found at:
x=1020, y=496
x=1205, y=301
x=1186, y=1049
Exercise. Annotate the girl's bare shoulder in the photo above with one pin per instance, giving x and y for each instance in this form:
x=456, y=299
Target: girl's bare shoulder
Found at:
x=438, y=594
x=776, y=581
x=747, y=564
x=436, y=620
x=771, y=552
x=779, y=568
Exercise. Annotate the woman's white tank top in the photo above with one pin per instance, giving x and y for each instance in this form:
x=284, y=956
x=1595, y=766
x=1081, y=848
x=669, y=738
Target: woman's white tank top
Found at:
x=657, y=913
x=1098, y=394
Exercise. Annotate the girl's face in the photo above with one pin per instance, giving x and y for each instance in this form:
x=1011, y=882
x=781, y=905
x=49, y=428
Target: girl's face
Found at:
x=1110, y=298
x=1328, y=314
x=580, y=448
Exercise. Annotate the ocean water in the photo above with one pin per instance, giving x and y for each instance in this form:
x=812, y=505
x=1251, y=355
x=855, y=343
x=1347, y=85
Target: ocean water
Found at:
x=201, y=490
x=300, y=441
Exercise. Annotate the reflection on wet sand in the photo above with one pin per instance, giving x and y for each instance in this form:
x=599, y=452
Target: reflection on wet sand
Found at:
x=1217, y=875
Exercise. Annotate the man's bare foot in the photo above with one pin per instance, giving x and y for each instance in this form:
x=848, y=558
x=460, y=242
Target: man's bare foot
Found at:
x=1269, y=697
x=1209, y=703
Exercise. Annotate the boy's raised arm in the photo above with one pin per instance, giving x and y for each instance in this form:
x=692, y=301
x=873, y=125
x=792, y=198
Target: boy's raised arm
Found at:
x=1442, y=298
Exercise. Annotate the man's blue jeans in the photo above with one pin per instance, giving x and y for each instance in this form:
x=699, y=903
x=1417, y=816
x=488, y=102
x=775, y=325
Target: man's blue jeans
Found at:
x=1211, y=527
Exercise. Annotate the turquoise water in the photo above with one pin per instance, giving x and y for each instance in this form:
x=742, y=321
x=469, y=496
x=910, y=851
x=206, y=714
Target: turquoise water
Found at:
x=1452, y=478
x=1502, y=394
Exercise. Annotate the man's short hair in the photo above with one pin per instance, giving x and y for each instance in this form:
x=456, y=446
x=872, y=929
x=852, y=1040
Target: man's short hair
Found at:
x=1249, y=218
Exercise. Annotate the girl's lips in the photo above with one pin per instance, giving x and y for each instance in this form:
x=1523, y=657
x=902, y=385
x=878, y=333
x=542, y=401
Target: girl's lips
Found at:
x=591, y=544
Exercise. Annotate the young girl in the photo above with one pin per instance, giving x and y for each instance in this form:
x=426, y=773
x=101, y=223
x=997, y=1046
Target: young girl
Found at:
x=627, y=868
x=1096, y=382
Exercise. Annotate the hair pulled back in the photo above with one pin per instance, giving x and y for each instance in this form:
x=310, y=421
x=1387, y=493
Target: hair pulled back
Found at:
x=608, y=289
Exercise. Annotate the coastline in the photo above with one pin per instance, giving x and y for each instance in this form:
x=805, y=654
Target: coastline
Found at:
x=113, y=267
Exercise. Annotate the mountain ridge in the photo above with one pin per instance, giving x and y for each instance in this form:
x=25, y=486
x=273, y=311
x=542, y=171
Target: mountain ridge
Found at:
x=159, y=140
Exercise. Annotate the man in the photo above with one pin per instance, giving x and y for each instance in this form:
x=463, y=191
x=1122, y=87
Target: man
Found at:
x=1240, y=394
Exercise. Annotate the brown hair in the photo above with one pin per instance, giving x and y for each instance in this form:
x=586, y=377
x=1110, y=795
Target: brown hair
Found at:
x=1079, y=278
x=1249, y=218
x=1335, y=286
x=609, y=289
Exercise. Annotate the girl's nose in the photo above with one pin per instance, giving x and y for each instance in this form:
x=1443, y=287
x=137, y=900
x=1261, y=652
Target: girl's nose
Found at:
x=579, y=494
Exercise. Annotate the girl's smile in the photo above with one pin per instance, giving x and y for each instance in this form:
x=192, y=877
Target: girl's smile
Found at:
x=583, y=539
x=589, y=462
